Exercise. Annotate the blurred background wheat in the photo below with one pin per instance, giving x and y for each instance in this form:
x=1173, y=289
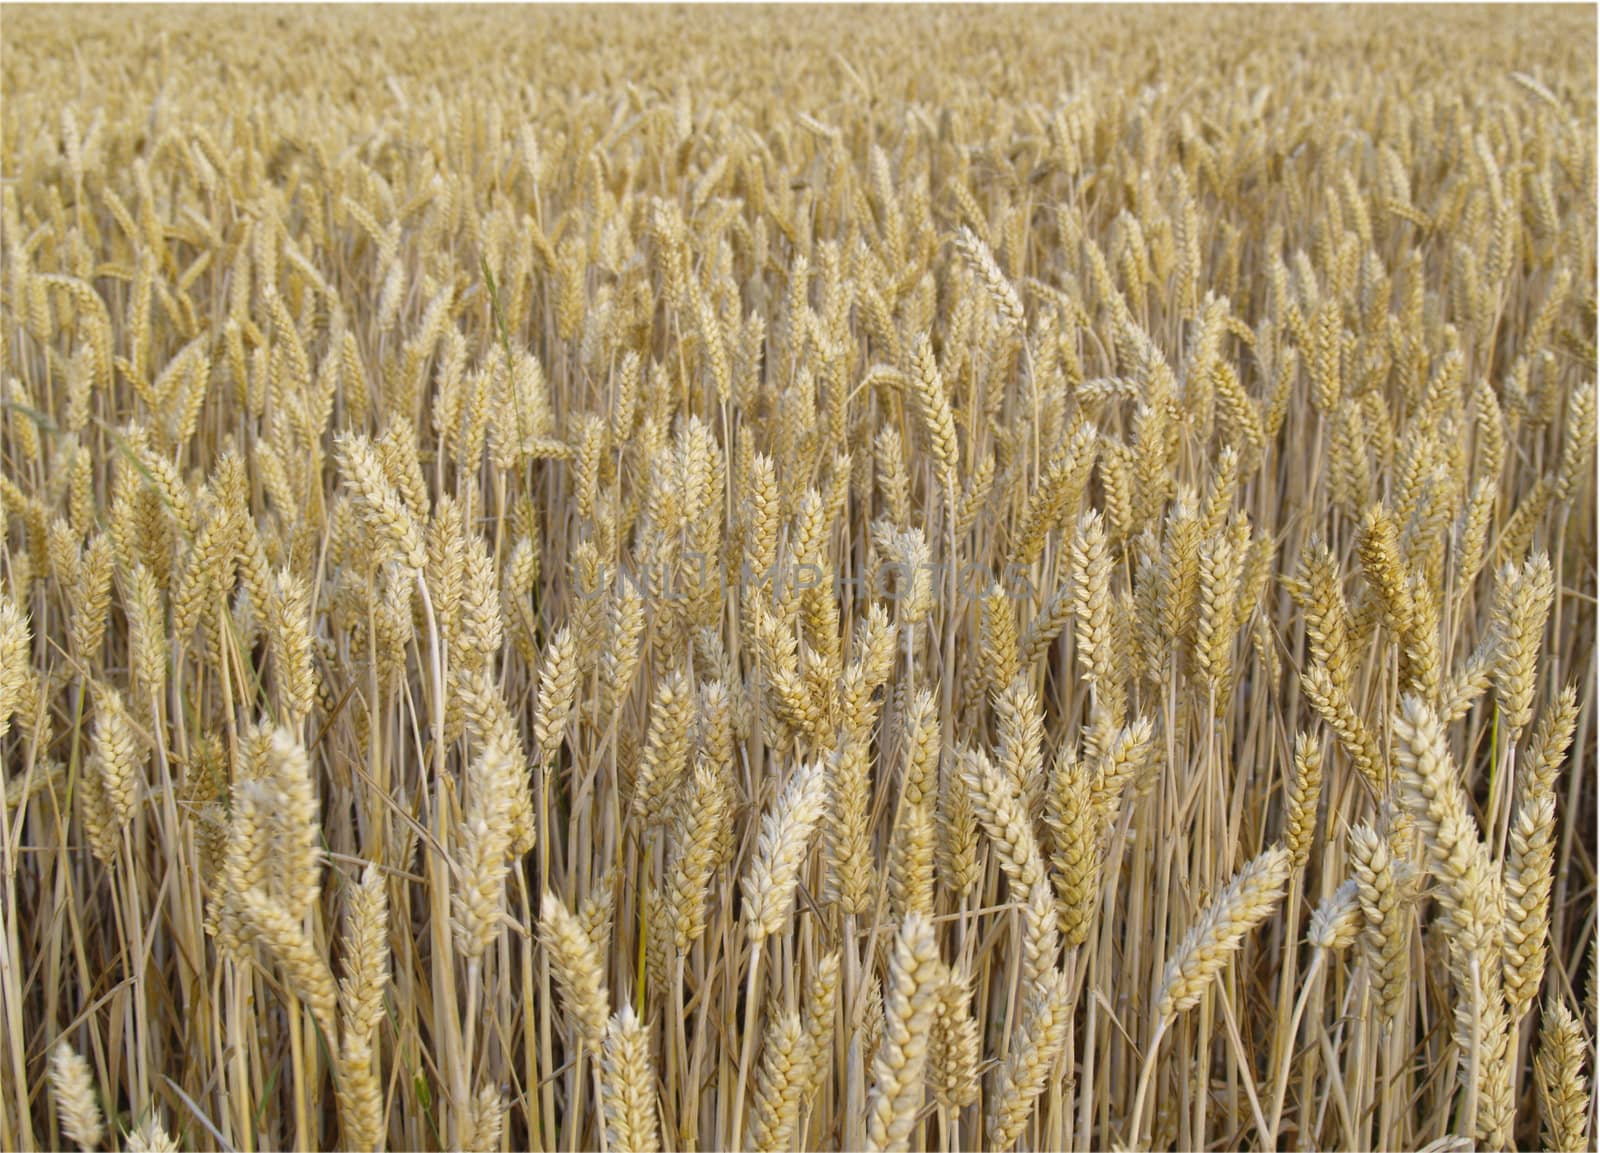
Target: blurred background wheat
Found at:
x=857, y=578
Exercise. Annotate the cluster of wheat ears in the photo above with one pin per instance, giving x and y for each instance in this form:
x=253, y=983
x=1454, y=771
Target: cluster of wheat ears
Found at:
x=824, y=580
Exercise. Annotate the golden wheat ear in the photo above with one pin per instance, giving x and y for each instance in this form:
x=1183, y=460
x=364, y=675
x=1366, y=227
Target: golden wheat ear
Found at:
x=72, y=1086
x=1238, y=907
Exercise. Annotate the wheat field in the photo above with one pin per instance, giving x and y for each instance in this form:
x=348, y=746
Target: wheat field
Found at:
x=853, y=578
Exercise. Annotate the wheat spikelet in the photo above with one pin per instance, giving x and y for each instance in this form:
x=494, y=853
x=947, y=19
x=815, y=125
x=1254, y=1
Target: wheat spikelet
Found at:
x=272, y=926
x=479, y=623
x=850, y=868
x=1091, y=585
x=1058, y=490
x=1577, y=442
x=955, y=1047
x=150, y=1137
x=379, y=503
x=1528, y=876
x=629, y=1085
x=1521, y=604
x=485, y=1120
x=360, y=1094
x=1381, y=565
x=1431, y=792
x=1020, y=1080
x=698, y=824
x=146, y=635
x=1074, y=823
x=1316, y=590
x=14, y=673
x=915, y=978
x=818, y=1012
x=1004, y=820
x=115, y=757
x=1041, y=937
x=1386, y=938
x=295, y=820
x=92, y=598
x=911, y=860
x=72, y=1089
x=1496, y=1094
x=1563, y=1088
x=933, y=409
x=1359, y=742
x=1239, y=906
x=997, y=639
x=781, y=1083
x=1337, y=921
x=578, y=967
x=366, y=967
x=785, y=838
x=663, y=764
x=1221, y=569
x=558, y=680
x=1304, y=794
x=1122, y=762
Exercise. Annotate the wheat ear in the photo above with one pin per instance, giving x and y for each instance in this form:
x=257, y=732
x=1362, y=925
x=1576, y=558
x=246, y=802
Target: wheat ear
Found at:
x=915, y=976
x=72, y=1086
x=630, y=1096
x=1563, y=1088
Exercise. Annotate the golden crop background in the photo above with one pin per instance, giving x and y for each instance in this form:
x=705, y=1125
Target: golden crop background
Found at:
x=797, y=579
